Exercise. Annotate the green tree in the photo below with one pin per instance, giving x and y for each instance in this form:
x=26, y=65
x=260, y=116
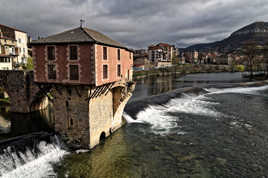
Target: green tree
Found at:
x=29, y=65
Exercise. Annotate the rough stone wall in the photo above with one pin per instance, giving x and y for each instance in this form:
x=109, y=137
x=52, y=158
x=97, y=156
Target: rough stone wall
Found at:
x=100, y=116
x=106, y=110
x=71, y=113
x=123, y=97
x=20, y=88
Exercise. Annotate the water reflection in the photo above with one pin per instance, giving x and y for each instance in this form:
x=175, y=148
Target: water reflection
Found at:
x=108, y=160
x=15, y=124
x=157, y=85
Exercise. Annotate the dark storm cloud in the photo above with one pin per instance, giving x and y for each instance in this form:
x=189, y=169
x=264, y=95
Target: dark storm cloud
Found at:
x=137, y=23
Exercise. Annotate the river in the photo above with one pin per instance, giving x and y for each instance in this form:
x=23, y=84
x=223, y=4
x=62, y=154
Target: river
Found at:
x=201, y=125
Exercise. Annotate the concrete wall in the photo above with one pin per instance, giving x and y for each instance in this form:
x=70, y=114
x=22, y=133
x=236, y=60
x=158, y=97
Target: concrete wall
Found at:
x=6, y=65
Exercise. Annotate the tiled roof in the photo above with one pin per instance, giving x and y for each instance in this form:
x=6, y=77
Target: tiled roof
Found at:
x=79, y=35
x=164, y=45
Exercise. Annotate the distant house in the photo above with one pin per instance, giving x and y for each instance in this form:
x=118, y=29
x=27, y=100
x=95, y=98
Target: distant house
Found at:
x=13, y=47
x=81, y=56
x=222, y=59
x=141, y=61
x=161, y=55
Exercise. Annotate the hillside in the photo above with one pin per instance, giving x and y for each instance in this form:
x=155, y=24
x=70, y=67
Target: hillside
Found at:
x=257, y=31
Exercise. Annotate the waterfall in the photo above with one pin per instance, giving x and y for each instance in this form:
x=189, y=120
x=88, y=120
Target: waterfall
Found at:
x=32, y=160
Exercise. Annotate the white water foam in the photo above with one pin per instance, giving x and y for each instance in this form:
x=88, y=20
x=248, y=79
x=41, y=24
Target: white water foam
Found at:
x=243, y=90
x=130, y=120
x=28, y=165
x=163, y=123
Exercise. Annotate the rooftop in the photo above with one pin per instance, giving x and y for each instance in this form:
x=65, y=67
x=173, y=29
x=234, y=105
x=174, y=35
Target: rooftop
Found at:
x=79, y=35
x=12, y=28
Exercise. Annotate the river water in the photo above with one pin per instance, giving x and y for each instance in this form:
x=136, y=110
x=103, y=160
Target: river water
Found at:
x=202, y=125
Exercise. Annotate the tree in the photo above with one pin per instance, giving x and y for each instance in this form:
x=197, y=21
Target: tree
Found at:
x=265, y=59
x=29, y=65
x=251, y=51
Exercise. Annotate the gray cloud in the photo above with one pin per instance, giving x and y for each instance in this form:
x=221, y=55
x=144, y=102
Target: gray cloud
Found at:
x=137, y=23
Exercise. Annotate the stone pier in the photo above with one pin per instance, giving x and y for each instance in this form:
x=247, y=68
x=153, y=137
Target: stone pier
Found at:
x=85, y=115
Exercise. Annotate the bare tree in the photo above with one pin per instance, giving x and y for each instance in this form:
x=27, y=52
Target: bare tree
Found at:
x=251, y=52
x=265, y=59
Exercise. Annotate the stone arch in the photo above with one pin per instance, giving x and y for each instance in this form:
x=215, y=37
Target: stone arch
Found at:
x=102, y=137
x=40, y=99
x=118, y=97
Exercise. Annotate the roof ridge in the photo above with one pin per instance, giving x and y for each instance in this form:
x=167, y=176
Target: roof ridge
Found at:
x=82, y=28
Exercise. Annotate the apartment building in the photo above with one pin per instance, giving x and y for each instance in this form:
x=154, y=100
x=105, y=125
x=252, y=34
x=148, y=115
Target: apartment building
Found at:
x=161, y=55
x=13, y=48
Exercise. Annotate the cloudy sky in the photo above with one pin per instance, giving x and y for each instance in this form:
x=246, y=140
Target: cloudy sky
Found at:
x=137, y=23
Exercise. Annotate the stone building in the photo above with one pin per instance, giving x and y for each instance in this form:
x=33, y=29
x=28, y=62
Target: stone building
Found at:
x=91, y=76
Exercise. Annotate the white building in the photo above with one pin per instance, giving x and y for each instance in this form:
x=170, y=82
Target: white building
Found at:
x=13, y=48
x=22, y=44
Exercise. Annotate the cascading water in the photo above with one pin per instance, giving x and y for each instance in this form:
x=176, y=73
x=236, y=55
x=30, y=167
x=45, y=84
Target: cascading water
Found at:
x=31, y=161
x=163, y=123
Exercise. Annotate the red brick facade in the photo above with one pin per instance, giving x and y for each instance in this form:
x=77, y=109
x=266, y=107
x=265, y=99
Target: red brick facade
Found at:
x=125, y=62
x=90, y=61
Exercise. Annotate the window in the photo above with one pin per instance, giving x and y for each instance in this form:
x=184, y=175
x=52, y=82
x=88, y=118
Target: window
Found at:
x=129, y=55
x=19, y=40
x=105, y=71
x=118, y=70
x=118, y=54
x=52, y=72
x=105, y=53
x=50, y=52
x=73, y=52
x=74, y=72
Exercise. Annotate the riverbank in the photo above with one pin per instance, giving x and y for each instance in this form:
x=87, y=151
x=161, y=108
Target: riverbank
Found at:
x=181, y=70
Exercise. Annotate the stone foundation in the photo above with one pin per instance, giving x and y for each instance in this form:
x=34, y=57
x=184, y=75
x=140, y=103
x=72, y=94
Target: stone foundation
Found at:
x=83, y=114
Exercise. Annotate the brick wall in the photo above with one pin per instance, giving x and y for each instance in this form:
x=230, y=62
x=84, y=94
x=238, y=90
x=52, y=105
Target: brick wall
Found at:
x=62, y=64
x=112, y=61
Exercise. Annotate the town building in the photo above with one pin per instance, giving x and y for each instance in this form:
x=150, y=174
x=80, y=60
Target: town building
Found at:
x=161, y=55
x=91, y=77
x=141, y=61
x=22, y=44
x=13, y=50
x=82, y=56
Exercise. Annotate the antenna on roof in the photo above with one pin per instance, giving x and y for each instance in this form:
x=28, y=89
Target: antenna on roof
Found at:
x=82, y=22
